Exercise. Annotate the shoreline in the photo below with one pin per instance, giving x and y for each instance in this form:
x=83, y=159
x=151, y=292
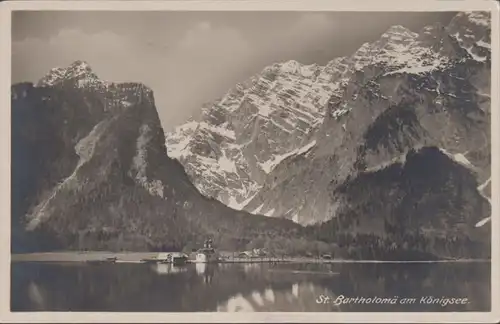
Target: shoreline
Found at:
x=138, y=257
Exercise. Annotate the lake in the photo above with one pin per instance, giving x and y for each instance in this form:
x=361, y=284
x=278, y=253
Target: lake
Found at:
x=122, y=287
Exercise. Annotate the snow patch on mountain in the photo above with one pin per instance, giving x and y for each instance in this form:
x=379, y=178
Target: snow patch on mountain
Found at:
x=482, y=43
x=401, y=159
x=459, y=158
x=227, y=164
x=239, y=206
x=470, y=48
x=257, y=210
x=180, y=139
x=222, y=130
x=269, y=213
x=477, y=17
x=270, y=164
x=483, y=222
x=484, y=184
x=480, y=189
x=462, y=159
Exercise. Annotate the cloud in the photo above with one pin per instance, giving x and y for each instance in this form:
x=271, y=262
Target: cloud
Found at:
x=204, y=25
x=313, y=23
x=307, y=33
x=107, y=53
x=220, y=44
x=183, y=74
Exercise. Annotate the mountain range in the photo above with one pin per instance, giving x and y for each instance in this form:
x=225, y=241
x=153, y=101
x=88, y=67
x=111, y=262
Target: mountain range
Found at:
x=382, y=154
x=282, y=142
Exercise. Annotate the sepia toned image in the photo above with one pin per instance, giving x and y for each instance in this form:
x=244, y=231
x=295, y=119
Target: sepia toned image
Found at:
x=185, y=161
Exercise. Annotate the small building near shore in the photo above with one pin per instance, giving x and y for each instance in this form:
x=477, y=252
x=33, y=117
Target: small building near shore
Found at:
x=207, y=254
x=171, y=257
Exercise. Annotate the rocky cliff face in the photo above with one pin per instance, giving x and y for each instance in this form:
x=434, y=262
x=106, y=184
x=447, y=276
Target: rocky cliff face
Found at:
x=394, y=107
x=405, y=91
x=90, y=171
x=253, y=128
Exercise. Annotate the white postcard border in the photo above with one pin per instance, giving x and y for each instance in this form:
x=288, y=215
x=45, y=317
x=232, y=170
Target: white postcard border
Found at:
x=243, y=5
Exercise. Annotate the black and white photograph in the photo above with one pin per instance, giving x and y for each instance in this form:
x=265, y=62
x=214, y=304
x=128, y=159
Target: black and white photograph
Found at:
x=264, y=161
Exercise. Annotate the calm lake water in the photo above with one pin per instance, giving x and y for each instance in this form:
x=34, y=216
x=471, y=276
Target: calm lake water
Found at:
x=247, y=287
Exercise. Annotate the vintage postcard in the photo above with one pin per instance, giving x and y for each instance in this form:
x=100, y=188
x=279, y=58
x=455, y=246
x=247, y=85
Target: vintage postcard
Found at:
x=250, y=161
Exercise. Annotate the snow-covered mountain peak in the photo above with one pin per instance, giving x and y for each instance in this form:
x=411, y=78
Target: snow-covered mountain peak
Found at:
x=479, y=18
x=393, y=49
x=399, y=33
x=54, y=75
x=294, y=67
x=78, y=71
x=291, y=66
x=471, y=24
x=79, y=75
x=78, y=68
x=472, y=31
x=231, y=146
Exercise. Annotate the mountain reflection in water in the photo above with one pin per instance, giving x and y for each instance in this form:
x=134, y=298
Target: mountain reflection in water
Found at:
x=301, y=297
x=243, y=287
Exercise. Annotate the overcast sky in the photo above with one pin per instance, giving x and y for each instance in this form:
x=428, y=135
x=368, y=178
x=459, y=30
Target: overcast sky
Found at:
x=189, y=58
